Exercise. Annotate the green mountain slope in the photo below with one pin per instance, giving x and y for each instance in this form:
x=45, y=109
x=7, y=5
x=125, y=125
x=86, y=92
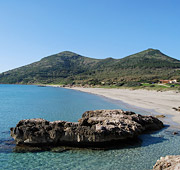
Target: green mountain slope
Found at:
x=68, y=67
x=149, y=59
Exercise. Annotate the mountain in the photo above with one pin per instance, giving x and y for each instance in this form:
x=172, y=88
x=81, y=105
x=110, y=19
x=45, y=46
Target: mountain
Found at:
x=68, y=67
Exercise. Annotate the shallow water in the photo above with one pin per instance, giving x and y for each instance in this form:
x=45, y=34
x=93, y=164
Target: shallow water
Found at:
x=21, y=102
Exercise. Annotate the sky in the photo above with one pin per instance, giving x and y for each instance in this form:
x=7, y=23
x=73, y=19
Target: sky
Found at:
x=33, y=29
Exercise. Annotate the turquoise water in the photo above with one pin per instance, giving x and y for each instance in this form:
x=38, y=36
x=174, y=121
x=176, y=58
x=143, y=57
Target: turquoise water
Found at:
x=21, y=102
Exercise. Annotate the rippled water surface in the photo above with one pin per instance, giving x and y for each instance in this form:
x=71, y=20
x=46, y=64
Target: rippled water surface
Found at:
x=21, y=102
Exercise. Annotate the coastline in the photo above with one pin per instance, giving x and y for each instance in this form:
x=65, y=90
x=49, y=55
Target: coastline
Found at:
x=151, y=101
x=156, y=103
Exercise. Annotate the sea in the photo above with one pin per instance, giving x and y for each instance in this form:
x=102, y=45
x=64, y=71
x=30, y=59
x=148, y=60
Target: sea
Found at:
x=19, y=102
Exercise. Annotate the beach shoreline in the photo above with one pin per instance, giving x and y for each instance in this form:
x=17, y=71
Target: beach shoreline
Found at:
x=155, y=102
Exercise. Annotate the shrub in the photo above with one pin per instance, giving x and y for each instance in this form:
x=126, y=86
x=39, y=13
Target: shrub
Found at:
x=132, y=84
x=119, y=84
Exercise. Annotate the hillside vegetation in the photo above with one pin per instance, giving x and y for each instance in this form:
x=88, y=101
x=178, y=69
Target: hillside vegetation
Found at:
x=71, y=68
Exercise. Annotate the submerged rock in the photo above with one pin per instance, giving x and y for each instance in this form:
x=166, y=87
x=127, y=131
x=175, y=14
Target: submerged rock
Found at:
x=95, y=128
x=170, y=162
x=175, y=133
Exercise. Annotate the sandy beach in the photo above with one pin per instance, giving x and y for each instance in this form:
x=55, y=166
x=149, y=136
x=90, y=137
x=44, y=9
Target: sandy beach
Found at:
x=161, y=102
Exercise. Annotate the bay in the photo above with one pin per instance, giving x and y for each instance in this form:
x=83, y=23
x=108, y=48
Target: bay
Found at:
x=27, y=101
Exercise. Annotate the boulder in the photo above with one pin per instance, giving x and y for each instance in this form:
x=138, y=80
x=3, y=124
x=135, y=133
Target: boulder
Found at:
x=170, y=162
x=99, y=127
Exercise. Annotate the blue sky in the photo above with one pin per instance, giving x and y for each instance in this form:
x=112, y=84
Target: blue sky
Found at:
x=33, y=29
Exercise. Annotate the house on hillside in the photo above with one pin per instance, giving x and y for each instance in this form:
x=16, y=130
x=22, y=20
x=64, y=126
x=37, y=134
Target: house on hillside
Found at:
x=168, y=81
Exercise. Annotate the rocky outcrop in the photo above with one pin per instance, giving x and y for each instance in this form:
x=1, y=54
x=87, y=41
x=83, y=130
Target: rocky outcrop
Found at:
x=171, y=162
x=94, y=128
x=176, y=109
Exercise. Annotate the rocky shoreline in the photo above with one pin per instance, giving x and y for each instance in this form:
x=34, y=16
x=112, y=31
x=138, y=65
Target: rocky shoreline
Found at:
x=98, y=128
x=169, y=162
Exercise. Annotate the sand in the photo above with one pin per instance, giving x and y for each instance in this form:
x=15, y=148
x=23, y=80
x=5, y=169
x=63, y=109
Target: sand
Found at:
x=161, y=102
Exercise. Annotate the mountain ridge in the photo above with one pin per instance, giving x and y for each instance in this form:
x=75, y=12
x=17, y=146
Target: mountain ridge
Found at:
x=69, y=67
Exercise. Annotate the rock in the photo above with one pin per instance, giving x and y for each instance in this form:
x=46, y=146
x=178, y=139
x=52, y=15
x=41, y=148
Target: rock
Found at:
x=175, y=133
x=95, y=128
x=176, y=109
x=26, y=148
x=170, y=162
x=160, y=116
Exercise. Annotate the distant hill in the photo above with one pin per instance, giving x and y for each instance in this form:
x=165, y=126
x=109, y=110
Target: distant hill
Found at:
x=68, y=67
